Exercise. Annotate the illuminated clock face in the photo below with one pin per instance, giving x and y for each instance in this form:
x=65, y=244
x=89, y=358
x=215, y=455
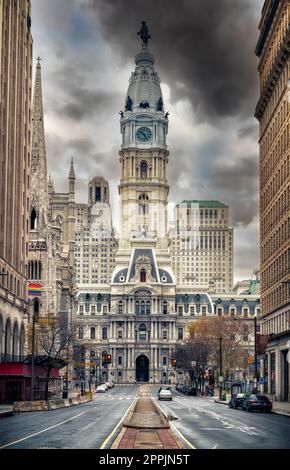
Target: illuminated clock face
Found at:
x=144, y=134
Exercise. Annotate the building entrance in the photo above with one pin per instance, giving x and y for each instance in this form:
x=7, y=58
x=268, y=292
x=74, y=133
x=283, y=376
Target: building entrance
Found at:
x=142, y=369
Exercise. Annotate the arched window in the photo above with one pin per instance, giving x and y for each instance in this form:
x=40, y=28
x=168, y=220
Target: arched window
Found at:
x=33, y=220
x=143, y=204
x=120, y=307
x=144, y=170
x=15, y=345
x=22, y=341
x=143, y=275
x=8, y=338
x=165, y=310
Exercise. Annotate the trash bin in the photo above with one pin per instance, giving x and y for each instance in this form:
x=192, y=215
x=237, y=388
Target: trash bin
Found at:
x=224, y=397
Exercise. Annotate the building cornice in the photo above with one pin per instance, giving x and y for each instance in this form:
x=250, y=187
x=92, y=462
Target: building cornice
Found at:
x=274, y=76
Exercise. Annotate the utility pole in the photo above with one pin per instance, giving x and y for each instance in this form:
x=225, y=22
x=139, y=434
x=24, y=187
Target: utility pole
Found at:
x=221, y=371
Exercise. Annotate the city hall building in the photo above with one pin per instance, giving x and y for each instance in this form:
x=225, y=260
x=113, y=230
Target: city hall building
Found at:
x=141, y=316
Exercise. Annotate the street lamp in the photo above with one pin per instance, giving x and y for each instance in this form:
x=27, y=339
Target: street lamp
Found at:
x=34, y=319
x=221, y=372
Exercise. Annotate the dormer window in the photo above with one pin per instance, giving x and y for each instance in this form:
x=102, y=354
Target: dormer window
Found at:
x=143, y=275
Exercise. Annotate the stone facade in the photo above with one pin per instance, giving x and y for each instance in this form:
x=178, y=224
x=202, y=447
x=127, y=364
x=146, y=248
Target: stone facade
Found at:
x=272, y=111
x=15, y=113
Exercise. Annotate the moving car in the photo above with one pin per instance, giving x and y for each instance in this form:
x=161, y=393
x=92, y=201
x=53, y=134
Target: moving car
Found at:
x=257, y=402
x=100, y=389
x=165, y=393
x=237, y=401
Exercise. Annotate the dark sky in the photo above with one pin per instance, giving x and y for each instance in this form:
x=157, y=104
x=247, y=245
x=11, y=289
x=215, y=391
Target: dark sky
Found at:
x=204, y=54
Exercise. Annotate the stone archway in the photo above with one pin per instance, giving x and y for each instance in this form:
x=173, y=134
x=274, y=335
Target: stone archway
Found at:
x=142, y=368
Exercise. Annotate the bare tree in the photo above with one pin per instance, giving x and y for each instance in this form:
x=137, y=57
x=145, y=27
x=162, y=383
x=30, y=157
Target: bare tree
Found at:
x=55, y=336
x=192, y=358
x=233, y=332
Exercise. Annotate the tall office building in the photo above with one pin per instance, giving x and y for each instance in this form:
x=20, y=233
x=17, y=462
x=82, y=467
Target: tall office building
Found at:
x=272, y=111
x=95, y=242
x=15, y=116
x=202, y=246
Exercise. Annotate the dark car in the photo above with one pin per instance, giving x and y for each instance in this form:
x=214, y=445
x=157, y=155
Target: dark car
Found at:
x=185, y=389
x=257, y=402
x=237, y=401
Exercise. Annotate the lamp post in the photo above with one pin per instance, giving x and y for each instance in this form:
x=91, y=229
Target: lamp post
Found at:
x=221, y=371
x=34, y=318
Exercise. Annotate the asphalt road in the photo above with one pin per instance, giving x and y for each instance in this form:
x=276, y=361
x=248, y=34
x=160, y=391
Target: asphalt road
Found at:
x=209, y=425
x=80, y=427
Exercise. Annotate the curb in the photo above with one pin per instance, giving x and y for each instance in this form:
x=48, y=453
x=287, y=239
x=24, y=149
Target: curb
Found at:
x=221, y=402
x=51, y=405
x=6, y=413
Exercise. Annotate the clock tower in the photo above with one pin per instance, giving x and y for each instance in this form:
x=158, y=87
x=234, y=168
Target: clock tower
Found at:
x=144, y=156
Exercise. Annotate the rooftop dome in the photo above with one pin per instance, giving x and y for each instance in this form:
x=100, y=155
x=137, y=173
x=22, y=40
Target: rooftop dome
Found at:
x=144, y=92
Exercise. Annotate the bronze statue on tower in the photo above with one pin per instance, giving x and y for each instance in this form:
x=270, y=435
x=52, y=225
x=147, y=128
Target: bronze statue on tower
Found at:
x=144, y=33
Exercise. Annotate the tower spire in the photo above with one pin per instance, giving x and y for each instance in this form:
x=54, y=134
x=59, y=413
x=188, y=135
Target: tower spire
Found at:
x=39, y=182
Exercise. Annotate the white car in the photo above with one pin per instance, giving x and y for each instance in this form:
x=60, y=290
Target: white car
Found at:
x=165, y=393
x=109, y=384
x=104, y=385
x=101, y=389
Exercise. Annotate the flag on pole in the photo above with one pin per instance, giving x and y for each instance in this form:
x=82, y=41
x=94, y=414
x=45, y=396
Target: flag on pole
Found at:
x=34, y=289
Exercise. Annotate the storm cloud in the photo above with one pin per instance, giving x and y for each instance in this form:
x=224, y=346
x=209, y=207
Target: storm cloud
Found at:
x=204, y=54
x=204, y=48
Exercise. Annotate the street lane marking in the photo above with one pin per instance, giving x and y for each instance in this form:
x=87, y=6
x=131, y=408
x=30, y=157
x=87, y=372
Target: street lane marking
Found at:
x=103, y=446
x=191, y=446
x=44, y=430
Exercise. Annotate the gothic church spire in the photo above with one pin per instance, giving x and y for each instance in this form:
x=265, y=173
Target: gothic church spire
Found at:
x=38, y=172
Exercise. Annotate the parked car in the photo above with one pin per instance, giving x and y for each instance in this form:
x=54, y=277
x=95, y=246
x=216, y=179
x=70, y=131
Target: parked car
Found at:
x=109, y=384
x=237, y=401
x=165, y=393
x=188, y=390
x=105, y=385
x=101, y=389
x=178, y=387
x=257, y=402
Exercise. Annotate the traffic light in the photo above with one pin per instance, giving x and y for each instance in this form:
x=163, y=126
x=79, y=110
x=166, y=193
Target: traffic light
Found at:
x=250, y=360
x=173, y=362
x=108, y=358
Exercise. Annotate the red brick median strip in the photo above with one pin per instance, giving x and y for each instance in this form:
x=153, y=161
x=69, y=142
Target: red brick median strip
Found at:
x=146, y=427
x=142, y=439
